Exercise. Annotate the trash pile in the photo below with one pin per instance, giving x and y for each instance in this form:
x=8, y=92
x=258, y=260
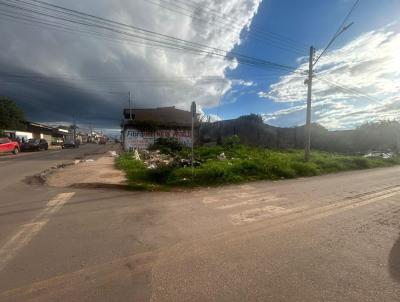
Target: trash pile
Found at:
x=154, y=159
x=377, y=154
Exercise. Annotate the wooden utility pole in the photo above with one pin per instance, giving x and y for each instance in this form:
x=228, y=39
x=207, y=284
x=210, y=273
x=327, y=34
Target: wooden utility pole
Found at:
x=307, y=137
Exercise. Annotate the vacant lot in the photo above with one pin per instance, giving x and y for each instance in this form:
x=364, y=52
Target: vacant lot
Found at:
x=237, y=164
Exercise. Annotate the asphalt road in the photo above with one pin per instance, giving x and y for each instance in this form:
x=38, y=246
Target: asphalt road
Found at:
x=330, y=238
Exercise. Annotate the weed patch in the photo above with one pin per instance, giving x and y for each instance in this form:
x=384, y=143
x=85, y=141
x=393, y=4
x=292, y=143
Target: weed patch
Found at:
x=242, y=164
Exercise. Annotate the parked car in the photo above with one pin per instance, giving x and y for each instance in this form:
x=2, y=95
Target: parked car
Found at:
x=7, y=145
x=70, y=144
x=35, y=145
x=102, y=141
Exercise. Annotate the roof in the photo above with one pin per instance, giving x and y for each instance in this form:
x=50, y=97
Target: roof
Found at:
x=162, y=116
x=37, y=125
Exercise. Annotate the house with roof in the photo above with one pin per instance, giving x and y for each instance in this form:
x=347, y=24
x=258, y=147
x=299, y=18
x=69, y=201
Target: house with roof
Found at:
x=142, y=127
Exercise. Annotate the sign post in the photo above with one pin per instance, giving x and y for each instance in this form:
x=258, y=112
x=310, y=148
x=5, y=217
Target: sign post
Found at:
x=193, y=110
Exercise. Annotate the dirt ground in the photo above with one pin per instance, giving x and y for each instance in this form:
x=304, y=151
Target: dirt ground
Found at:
x=88, y=172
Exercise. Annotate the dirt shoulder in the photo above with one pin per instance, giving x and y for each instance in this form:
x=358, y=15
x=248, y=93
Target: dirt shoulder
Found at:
x=90, y=172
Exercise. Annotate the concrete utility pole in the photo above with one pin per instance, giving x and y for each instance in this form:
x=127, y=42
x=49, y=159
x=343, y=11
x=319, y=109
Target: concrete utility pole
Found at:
x=307, y=137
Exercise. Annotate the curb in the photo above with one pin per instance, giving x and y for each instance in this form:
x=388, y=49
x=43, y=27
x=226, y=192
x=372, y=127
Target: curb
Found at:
x=99, y=185
x=41, y=178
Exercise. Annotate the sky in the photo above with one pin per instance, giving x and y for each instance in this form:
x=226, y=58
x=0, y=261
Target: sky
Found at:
x=59, y=71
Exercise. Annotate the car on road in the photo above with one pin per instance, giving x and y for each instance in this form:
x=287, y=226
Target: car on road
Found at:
x=102, y=141
x=7, y=145
x=35, y=145
x=70, y=144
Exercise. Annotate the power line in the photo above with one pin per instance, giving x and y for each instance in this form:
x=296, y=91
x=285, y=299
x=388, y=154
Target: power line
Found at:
x=343, y=27
x=259, y=29
x=349, y=90
x=267, y=38
x=123, y=80
x=159, y=39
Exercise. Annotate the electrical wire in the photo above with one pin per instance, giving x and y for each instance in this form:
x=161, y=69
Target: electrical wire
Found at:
x=159, y=39
x=349, y=90
x=267, y=38
x=340, y=30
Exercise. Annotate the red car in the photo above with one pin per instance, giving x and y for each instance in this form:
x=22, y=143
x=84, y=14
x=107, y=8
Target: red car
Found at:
x=7, y=145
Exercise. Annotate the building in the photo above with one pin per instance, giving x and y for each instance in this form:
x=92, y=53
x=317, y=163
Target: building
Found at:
x=141, y=127
x=50, y=134
x=38, y=131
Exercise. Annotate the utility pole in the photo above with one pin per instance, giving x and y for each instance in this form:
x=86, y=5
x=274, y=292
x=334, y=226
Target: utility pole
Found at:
x=74, y=131
x=91, y=133
x=130, y=107
x=193, y=110
x=307, y=137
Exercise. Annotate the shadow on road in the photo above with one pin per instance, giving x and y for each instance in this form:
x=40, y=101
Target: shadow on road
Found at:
x=394, y=261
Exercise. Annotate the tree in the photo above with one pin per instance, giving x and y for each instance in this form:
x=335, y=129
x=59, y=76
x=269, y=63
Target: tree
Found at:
x=11, y=116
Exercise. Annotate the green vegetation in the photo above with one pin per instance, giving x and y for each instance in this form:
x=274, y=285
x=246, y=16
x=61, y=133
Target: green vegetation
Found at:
x=11, y=116
x=167, y=145
x=243, y=164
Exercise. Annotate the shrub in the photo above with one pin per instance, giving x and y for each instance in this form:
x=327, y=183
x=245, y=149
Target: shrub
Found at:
x=361, y=163
x=167, y=145
x=160, y=175
x=231, y=141
x=305, y=169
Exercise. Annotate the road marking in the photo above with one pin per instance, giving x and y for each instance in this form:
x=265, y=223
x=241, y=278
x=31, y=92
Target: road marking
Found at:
x=28, y=231
x=260, y=213
x=304, y=214
x=249, y=202
x=237, y=196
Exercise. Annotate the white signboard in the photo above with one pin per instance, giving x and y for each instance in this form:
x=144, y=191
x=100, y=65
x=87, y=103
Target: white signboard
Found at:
x=137, y=139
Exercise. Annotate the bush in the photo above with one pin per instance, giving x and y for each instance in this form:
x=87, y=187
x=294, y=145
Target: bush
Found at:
x=305, y=169
x=167, y=145
x=160, y=175
x=232, y=141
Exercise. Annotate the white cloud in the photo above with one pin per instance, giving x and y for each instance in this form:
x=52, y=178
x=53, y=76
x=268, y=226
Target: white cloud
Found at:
x=244, y=83
x=38, y=50
x=370, y=64
x=214, y=118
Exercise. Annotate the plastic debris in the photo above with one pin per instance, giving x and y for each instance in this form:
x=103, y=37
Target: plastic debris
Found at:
x=112, y=153
x=222, y=156
x=136, y=155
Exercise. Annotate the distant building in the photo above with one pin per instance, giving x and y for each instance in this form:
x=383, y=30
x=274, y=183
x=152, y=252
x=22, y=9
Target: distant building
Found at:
x=141, y=127
x=38, y=131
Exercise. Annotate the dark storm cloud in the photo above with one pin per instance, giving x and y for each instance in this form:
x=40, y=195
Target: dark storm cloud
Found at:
x=66, y=74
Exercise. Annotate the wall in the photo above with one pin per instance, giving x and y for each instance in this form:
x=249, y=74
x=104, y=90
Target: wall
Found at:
x=139, y=139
